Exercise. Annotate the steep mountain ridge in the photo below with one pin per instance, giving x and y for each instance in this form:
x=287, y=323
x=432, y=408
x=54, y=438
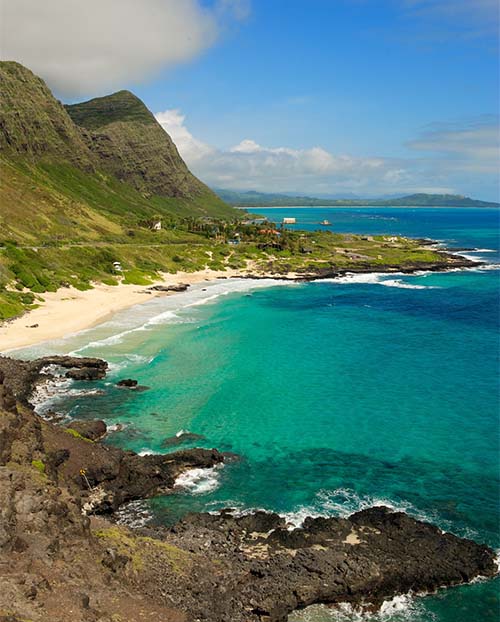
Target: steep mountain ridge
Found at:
x=34, y=124
x=73, y=199
x=115, y=140
x=132, y=146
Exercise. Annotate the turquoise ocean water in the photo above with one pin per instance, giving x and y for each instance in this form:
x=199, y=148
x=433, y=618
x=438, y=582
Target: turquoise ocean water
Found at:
x=337, y=395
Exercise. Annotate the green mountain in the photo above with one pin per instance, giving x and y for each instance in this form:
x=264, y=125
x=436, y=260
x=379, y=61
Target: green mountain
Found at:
x=80, y=186
x=131, y=145
x=95, y=168
x=264, y=199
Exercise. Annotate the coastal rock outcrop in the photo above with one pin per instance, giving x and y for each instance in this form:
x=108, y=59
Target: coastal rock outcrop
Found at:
x=127, y=382
x=93, y=429
x=21, y=377
x=58, y=560
x=269, y=569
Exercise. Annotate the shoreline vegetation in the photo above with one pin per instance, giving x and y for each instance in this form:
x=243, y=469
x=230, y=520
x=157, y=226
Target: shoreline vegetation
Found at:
x=69, y=310
x=106, y=198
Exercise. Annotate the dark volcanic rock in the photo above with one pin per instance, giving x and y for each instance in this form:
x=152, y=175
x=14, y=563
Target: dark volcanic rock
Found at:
x=250, y=568
x=92, y=429
x=85, y=373
x=372, y=556
x=22, y=376
x=117, y=476
x=127, y=382
x=181, y=287
x=68, y=362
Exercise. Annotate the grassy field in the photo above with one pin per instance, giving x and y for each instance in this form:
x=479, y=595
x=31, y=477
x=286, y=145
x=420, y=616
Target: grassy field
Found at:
x=26, y=271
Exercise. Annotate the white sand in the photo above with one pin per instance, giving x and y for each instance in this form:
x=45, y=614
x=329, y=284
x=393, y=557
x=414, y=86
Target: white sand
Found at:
x=69, y=310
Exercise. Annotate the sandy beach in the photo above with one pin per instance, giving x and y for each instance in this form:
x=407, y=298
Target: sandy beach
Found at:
x=69, y=310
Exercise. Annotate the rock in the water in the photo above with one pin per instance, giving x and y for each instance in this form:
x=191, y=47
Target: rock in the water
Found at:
x=127, y=382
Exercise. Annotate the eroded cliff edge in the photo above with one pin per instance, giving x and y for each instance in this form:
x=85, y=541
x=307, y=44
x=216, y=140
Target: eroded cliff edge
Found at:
x=57, y=562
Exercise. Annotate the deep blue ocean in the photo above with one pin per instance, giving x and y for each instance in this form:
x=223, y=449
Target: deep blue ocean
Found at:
x=337, y=394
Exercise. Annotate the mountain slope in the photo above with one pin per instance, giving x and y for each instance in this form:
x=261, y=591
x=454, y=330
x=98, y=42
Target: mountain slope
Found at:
x=33, y=124
x=132, y=146
x=67, y=176
x=73, y=200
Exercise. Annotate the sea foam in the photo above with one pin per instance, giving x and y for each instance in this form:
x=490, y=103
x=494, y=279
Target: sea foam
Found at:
x=379, y=278
x=401, y=608
x=199, y=481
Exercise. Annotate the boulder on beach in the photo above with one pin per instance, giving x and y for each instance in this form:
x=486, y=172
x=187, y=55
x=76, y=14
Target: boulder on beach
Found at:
x=180, y=287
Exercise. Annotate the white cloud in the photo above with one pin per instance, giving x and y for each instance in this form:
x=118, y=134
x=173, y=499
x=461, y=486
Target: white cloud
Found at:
x=189, y=147
x=452, y=154
x=473, y=145
x=87, y=47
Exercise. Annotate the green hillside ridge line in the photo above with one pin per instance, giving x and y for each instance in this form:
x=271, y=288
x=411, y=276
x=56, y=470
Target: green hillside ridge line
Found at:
x=33, y=124
x=132, y=146
x=101, y=111
x=252, y=198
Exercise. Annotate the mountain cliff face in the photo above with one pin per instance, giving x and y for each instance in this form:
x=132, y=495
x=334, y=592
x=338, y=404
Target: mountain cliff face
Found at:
x=109, y=136
x=131, y=145
x=33, y=123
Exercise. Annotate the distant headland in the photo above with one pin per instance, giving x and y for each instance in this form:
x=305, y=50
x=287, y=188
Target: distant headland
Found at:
x=252, y=198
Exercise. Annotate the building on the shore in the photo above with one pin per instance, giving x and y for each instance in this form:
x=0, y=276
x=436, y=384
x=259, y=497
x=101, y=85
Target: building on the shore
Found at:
x=156, y=225
x=117, y=266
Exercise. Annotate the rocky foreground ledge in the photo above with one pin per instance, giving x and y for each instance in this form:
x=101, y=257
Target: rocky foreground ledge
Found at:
x=61, y=559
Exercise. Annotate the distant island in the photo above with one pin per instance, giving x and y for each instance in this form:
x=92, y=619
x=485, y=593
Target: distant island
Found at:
x=265, y=199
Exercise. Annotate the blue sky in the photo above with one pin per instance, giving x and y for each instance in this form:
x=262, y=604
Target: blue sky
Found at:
x=318, y=96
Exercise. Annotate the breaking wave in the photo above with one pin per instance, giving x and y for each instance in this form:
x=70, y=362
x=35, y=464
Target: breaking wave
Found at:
x=199, y=481
x=378, y=278
x=404, y=608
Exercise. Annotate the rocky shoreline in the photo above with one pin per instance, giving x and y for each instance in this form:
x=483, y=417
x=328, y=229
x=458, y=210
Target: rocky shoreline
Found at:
x=62, y=556
x=450, y=261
